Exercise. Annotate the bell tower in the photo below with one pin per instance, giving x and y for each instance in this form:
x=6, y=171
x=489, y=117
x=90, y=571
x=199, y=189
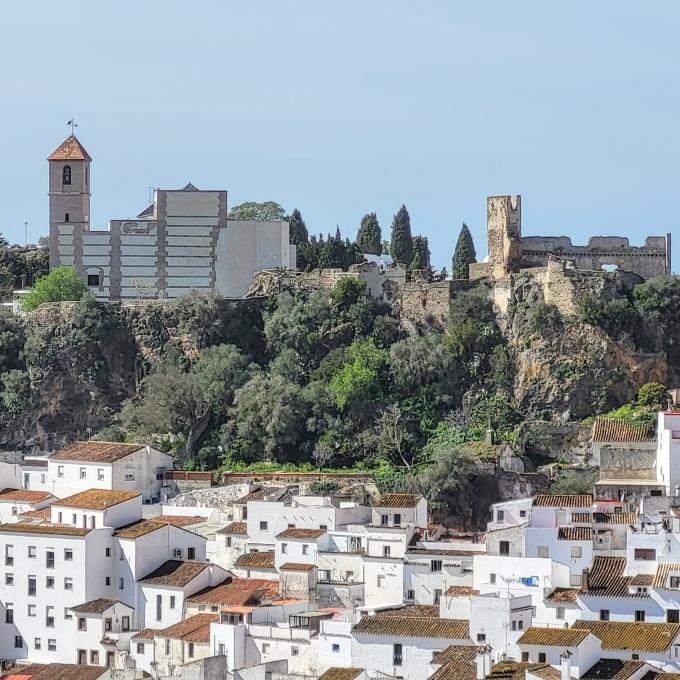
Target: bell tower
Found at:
x=69, y=193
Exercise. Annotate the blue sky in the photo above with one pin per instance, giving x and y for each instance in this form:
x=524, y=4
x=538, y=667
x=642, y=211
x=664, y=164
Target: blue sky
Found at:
x=341, y=107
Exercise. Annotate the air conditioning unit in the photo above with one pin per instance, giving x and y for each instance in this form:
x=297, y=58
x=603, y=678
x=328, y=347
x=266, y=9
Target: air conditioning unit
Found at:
x=178, y=552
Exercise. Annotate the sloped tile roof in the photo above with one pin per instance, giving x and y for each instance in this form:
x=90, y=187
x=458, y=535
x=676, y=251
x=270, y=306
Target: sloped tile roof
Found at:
x=397, y=500
x=582, y=517
x=516, y=670
x=417, y=610
x=145, y=526
x=296, y=566
x=553, y=637
x=96, y=452
x=612, y=669
x=237, y=592
x=24, y=496
x=413, y=626
x=188, y=626
x=575, y=534
x=146, y=634
x=96, y=499
x=456, y=653
x=606, y=579
x=663, y=573
x=57, y=529
x=562, y=596
x=614, y=518
x=174, y=573
x=616, y=430
x=94, y=606
x=632, y=636
x=301, y=534
x=256, y=560
x=569, y=501
x=341, y=673
x=459, y=591
x=69, y=671
x=235, y=528
x=70, y=150
x=642, y=580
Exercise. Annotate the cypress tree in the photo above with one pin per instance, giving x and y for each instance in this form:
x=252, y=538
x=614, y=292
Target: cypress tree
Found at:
x=297, y=228
x=421, y=253
x=369, y=236
x=464, y=255
x=402, y=241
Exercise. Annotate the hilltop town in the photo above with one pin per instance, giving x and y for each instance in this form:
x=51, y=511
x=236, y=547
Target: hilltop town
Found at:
x=233, y=450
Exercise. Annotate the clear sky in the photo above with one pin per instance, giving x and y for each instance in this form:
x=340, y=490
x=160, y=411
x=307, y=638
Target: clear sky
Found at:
x=341, y=107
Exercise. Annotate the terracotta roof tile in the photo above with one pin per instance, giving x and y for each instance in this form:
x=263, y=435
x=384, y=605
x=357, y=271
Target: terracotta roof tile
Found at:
x=575, y=501
x=413, y=626
x=575, y=534
x=632, y=636
x=256, y=560
x=456, y=653
x=619, y=431
x=200, y=635
x=664, y=571
x=612, y=669
x=146, y=634
x=614, y=518
x=296, y=566
x=60, y=529
x=180, y=520
x=96, y=499
x=606, y=579
x=24, y=496
x=96, y=452
x=174, y=573
x=68, y=671
x=553, y=637
x=642, y=580
x=582, y=517
x=94, y=606
x=237, y=592
x=69, y=150
x=397, y=500
x=41, y=515
x=341, y=674
x=562, y=596
x=459, y=591
x=188, y=626
x=301, y=534
x=34, y=462
x=235, y=528
x=145, y=526
x=413, y=610
x=517, y=670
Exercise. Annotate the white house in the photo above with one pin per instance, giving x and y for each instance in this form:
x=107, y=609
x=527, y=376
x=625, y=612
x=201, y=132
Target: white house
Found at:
x=15, y=502
x=668, y=451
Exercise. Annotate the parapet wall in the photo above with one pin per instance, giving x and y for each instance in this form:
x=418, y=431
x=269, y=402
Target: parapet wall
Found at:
x=649, y=260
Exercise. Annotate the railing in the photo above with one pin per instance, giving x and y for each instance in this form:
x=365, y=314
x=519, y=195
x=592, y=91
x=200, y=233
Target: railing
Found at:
x=276, y=633
x=332, y=582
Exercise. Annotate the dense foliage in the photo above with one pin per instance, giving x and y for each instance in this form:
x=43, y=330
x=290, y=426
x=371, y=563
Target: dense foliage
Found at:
x=297, y=229
x=421, y=254
x=259, y=212
x=401, y=247
x=464, y=254
x=62, y=284
x=369, y=236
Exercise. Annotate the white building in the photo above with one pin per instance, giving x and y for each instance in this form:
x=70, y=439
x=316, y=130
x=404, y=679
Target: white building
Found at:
x=668, y=451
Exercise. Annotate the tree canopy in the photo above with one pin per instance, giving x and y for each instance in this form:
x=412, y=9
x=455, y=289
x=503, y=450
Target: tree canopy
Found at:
x=60, y=285
x=401, y=247
x=464, y=255
x=259, y=212
x=297, y=228
x=421, y=253
x=369, y=235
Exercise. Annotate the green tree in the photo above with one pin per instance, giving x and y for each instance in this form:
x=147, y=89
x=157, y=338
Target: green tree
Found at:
x=369, y=235
x=259, y=212
x=357, y=380
x=297, y=228
x=60, y=285
x=652, y=395
x=16, y=390
x=421, y=253
x=401, y=247
x=464, y=255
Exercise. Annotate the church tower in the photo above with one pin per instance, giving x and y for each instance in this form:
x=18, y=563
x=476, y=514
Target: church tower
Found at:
x=69, y=192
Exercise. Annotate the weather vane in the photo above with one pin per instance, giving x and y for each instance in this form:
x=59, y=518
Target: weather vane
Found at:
x=73, y=124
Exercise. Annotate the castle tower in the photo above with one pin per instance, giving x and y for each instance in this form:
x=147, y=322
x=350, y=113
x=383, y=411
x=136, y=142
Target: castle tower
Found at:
x=504, y=231
x=69, y=192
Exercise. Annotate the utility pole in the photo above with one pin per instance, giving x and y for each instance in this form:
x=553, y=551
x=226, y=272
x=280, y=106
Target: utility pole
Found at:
x=25, y=234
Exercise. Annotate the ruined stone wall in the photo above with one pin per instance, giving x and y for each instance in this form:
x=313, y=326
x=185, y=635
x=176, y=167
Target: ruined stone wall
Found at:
x=504, y=231
x=650, y=260
x=425, y=305
x=625, y=460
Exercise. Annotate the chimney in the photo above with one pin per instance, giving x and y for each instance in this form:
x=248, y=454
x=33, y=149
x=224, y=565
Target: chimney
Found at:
x=480, y=660
x=565, y=665
x=487, y=660
x=585, y=578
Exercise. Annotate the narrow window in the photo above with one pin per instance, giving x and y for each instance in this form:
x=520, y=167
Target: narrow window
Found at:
x=66, y=175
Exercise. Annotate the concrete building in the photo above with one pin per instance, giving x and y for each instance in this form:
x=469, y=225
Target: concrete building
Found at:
x=183, y=241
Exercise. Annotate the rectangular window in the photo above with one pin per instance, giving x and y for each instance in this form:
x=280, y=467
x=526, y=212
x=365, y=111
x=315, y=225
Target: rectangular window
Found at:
x=172, y=601
x=481, y=637
x=9, y=579
x=32, y=586
x=100, y=474
x=68, y=583
x=639, y=615
x=125, y=623
x=108, y=625
x=381, y=581
x=575, y=580
x=36, y=643
x=94, y=657
x=9, y=613
x=284, y=548
x=67, y=613
x=167, y=646
x=107, y=581
x=159, y=607
x=228, y=541
x=410, y=594
x=191, y=553
x=49, y=617
x=522, y=513
x=140, y=648
x=525, y=657
x=121, y=583
x=83, y=473
x=68, y=554
x=263, y=526
x=9, y=555
x=108, y=552
x=59, y=517
x=60, y=471
x=129, y=477
x=504, y=547
x=560, y=612
x=541, y=657
x=386, y=551
x=265, y=648
x=82, y=657
x=18, y=641
x=32, y=552
x=645, y=554
x=294, y=651
x=673, y=616
x=576, y=551
x=336, y=649
x=492, y=579
x=384, y=520
x=436, y=565
x=49, y=582
x=675, y=582
x=604, y=614
x=397, y=519
x=396, y=655
x=49, y=559
x=191, y=650
x=32, y=609
x=52, y=645
x=543, y=551
x=82, y=623
x=305, y=549
x=437, y=595
x=500, y=515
